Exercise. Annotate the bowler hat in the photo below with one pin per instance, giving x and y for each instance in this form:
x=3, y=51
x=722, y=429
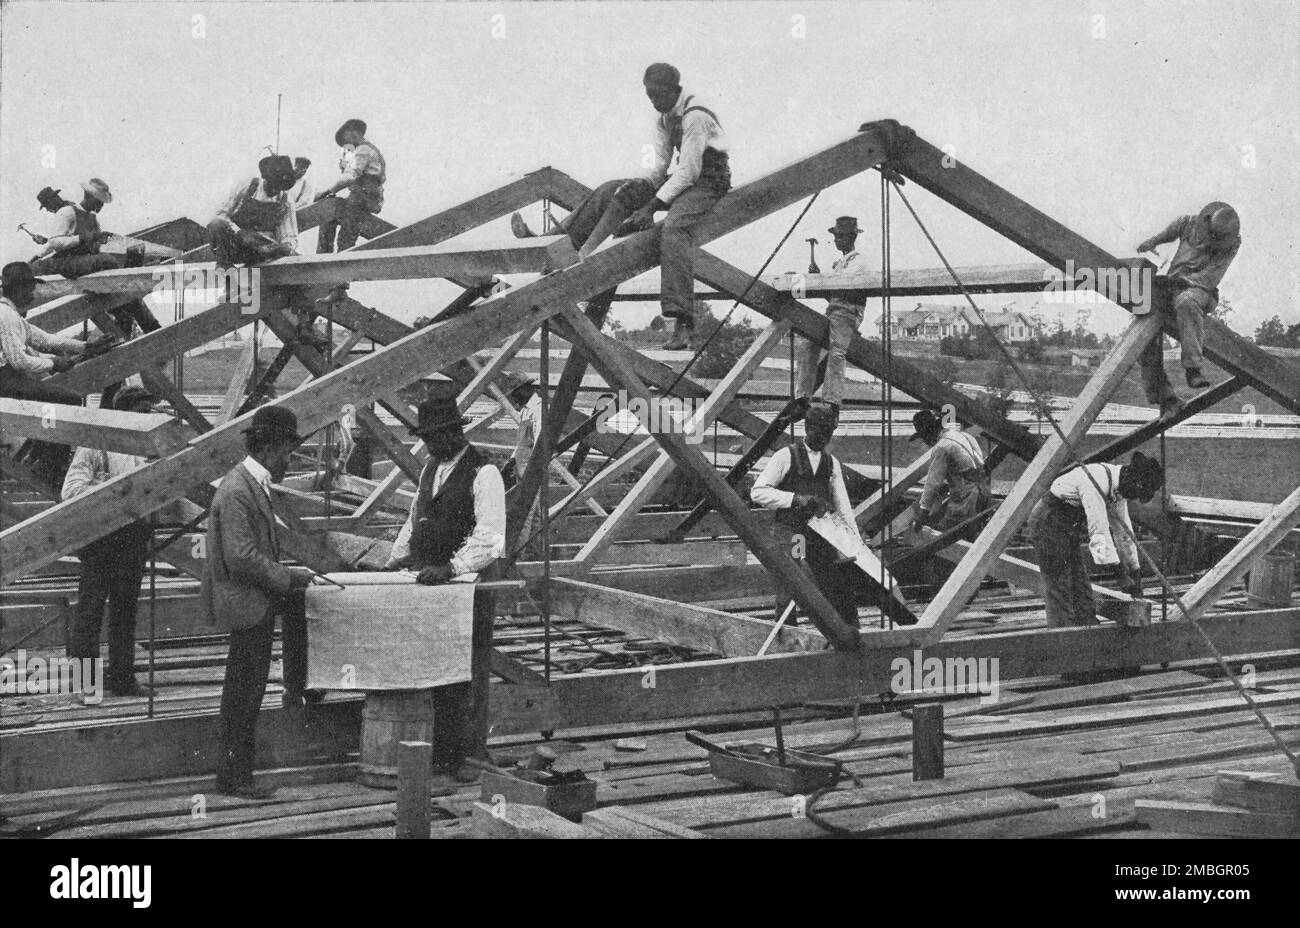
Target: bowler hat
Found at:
x=274, y=422
x=358, y=124
x=16, y=272
x=48, y=193
x=439, y=410
x=927, y=425
x=845, y=225
x=98, y=189
x=129, y=396
x=278, y=169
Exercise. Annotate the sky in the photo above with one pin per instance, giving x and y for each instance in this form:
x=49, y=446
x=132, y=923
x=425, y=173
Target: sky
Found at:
x=1112, y=118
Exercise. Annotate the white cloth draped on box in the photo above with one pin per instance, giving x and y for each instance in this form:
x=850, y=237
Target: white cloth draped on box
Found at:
x=386, y=632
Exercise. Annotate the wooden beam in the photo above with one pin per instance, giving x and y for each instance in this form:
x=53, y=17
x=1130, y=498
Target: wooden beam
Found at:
x=1141, y=435
x=875, y=505
x=234, y=397
x=965, y=580
x=904, y=282
x=736, y=512
x=135, y=433
x=1244, y=556
x=699, y=422
x=672, y=622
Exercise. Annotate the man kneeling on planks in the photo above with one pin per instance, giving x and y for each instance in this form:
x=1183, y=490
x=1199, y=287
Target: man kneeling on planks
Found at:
x=245, y=586
x=1057, y=529
x=456, y=527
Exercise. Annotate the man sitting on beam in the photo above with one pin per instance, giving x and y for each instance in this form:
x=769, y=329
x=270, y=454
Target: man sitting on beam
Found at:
x=257, y=222
x=702, y=177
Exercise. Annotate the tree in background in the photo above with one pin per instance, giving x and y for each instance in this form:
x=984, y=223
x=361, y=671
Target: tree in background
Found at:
x=1274, y=333
x=724, y=348
x=1000, y=386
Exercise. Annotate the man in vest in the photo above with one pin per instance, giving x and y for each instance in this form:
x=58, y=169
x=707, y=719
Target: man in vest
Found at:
x=702, y=177
x=256, y=222
x=957, y=467
x=845, y=318
x=363, y=178
x=1074, y=512
x=112, y=567
x=245, y=586
x=1207, y=243
x=457, y=526
x=73, y=249
x=801, y=481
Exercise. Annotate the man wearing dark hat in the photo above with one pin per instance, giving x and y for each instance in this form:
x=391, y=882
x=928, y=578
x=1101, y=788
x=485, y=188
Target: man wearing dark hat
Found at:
x=956, y=484
x=1073, y=513
x=51, y=202
x=363, y=178
x=112, y=567
x=845, y=318
x=74, y=248
x=257, y=222
x=245, y=586
x=801, y=481
x=1207, y=243
x=457, y=526
x=702, y=177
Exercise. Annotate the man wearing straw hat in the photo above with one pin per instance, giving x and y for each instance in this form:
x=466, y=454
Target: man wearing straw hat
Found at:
x=245, y=586
x=74, y=248
x=456, y=527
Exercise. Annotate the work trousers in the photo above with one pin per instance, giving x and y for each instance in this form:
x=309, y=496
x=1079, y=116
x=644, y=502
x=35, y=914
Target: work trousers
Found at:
x=844, y=323
x=630, y=193
x=232, y=248
x=112, y=570
x=76, y=265
x=1058, y=532
x=835, y=580
x=1188, y=307
x=460, y=710
x=678, y=242
x=248, y=666
x=353, y=211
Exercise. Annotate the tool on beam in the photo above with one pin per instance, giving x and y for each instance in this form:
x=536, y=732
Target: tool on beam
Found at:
x=812, y=256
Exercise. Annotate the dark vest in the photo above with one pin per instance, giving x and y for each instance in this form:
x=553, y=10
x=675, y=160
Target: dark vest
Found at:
x=801, y=478
x=444, y=522
x=714, y=164
x=258, y=215
x=87, y=230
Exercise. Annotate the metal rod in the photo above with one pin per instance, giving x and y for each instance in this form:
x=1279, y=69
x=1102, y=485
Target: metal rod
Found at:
x=544, y=490
x=153, y=603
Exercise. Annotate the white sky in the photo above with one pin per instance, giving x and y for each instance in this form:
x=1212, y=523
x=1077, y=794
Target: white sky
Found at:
x=1112, y=134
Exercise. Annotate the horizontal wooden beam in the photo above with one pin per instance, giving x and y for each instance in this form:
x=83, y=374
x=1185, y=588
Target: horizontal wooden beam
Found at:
x=672, y=622
x=1004, y=278
x=142, y=434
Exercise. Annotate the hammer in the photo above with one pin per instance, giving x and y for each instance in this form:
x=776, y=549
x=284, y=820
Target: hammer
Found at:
x=38, y=239
x=812, y=256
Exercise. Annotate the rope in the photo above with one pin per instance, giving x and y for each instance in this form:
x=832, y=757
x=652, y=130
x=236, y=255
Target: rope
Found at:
x=699, y=351
x=1046, y=414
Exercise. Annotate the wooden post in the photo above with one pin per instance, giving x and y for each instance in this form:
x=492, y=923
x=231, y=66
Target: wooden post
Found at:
x=414, y=773
x=927, y=742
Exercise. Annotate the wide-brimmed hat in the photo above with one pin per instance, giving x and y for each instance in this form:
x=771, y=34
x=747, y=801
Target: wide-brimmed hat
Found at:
x=358, y=124
x=98, y=189
x=439, y=410
x=277, y=169
x=845, y=225
x=47, y=193
x=1222, y=221
x=274, y=422
x=129, y=396
x=927, y=425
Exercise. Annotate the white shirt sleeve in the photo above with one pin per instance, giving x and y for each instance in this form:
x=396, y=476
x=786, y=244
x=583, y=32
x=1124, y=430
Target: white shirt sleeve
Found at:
x=1097, y=512
x=89, y=466
x=690, y=160
x=488, y=540
x=1128, y=553
x=765, y=492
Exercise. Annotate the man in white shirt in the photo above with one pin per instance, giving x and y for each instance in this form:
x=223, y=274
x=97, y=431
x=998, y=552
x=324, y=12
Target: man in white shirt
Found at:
x=801, y=481
x=112, y=567
x=702, y=177
x=256, y=222
x=845, y=318
x=363, y=175
x=1073, y=513
x=956, y=485
x=456, y=527
x=74, y=248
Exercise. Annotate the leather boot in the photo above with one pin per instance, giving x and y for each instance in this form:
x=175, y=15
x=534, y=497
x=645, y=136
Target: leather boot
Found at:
x=1195, y=379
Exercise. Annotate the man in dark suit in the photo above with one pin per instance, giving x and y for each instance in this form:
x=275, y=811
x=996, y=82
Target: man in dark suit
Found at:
x=245, y=586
